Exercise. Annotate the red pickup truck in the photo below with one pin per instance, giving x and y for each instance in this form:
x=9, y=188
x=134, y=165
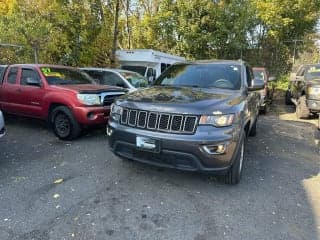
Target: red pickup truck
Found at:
x=68, y=99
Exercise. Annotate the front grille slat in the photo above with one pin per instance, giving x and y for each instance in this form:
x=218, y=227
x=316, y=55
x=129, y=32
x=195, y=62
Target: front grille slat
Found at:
x=176, y=123
x=152, y=120
x=124, y=116
x=189, y=123
x=132, y=118
x=142, y=119
x=164, y=122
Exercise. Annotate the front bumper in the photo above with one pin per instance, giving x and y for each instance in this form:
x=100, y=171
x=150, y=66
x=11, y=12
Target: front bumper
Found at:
x=313, y=105
x=92, y=115
x=184, y=152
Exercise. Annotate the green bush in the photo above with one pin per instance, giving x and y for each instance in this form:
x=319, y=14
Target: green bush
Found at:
x=282, y=82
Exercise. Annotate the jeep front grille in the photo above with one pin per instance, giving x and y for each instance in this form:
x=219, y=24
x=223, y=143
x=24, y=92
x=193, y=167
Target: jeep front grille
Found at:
x=155, y=121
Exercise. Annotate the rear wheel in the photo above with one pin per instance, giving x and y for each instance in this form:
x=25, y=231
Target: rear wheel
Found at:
x=302, y=110
x=64, y=124
x=234, y=175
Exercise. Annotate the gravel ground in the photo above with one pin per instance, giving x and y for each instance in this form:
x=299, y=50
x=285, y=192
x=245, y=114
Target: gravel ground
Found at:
x=50, y=189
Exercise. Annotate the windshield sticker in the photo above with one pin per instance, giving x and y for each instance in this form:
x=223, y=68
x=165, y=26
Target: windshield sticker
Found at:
x=48, y=73
x=54, y=74
x=45, y=71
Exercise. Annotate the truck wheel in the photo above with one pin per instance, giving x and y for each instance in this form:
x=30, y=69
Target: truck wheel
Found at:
x=264, y=110
x=302, y=110
x=234, y=175
x=65, y=126
x=253, y=130
x=288, y=98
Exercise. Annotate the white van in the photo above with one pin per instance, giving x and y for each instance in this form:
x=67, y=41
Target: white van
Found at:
x=147, y=62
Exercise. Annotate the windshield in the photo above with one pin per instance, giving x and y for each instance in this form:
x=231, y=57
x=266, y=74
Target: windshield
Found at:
x=138, y=69
x=223, y=75
x=135, y=79
x=65, y=76
x=313, y=73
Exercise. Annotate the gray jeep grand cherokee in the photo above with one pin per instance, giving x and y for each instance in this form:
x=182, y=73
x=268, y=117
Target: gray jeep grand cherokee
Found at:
x=195, y=117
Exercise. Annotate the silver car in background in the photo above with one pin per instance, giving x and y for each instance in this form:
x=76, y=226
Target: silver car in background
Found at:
x=2, y=126
x=117, y=77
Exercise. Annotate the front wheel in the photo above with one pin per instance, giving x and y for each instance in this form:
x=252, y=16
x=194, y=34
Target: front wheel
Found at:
x=302, y=110
x=65, y=126
x=234, y=175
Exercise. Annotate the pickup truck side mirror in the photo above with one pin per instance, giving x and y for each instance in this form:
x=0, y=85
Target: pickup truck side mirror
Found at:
x=256, y=84
x=33, y=82
x=293, y=76
x=271, y=79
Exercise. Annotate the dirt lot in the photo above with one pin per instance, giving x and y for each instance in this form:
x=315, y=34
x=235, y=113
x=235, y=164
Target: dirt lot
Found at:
x=51, y=189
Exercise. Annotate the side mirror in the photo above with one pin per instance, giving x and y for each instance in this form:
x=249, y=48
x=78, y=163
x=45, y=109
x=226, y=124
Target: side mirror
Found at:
x=256, y=84
x=293, y=76
x=271, y=79
x=33, y=82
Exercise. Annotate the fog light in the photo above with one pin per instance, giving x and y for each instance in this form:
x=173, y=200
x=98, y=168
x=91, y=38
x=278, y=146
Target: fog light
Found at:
x=109, y=131
x=90, y=116
x=215, y=149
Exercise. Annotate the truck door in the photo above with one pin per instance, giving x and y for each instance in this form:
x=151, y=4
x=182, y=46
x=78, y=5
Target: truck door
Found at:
x=31, y=93
x=10, y=91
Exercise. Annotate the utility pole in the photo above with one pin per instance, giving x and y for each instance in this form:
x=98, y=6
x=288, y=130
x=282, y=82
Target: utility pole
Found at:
x=294, y=48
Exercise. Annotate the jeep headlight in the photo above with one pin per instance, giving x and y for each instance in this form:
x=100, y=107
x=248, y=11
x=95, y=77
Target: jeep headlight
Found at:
x=221, y=120
x=115, y=112
x=89, y=99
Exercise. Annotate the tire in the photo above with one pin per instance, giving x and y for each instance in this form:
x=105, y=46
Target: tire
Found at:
x=264, y=110
x=234, y=175
x=64, y=124
x=288, y=98
x=302, y=110
x=253, y=130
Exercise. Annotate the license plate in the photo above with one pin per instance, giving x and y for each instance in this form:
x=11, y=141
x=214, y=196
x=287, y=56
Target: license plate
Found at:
x=146, y=143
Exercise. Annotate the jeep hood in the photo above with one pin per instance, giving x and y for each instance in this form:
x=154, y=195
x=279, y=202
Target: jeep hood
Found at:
x=181, y=99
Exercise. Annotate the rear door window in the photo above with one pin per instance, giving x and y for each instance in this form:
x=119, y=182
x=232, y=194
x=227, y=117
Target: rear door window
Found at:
x=12, y=76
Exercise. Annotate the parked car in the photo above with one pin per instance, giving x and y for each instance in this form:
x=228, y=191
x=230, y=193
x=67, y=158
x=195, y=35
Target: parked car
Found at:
x=196, y=117
x=304, y=90
x=117, y=77
x=267, y=92
x=2, y=125
x=68, y=99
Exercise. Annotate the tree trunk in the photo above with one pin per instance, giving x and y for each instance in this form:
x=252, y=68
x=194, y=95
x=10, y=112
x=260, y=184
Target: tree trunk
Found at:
x=115, y=34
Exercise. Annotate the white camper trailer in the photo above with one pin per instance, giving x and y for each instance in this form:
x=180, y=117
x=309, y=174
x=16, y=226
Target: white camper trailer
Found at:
x=147, y=62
